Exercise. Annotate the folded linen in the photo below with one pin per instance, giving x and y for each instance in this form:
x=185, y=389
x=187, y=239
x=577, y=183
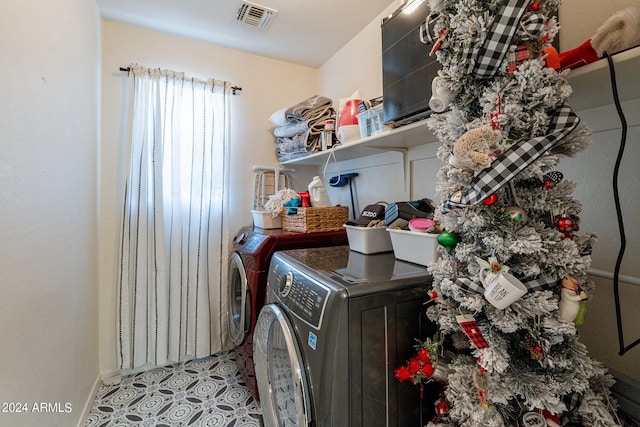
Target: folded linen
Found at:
x=308, y=109
x=300, y=126
x=317, y=120
x=290, y=129
x=290, y=144
x=297, y=146
x=278, y=117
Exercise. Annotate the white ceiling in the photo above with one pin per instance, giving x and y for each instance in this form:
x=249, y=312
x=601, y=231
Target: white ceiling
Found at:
x=305, y=32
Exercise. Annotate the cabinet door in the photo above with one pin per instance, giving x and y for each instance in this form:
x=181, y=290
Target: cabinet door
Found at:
x=383, y=332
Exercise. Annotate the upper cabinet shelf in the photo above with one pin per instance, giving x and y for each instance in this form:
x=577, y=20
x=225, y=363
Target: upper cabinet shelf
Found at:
x=592, y=83
x=591, y=88
x=411, y=135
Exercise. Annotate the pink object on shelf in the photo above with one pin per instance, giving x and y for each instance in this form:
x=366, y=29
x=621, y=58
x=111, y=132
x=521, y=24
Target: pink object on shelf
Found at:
x=421, y=224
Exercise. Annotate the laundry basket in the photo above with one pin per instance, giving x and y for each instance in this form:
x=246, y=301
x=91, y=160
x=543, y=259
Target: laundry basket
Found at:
x=315, y=220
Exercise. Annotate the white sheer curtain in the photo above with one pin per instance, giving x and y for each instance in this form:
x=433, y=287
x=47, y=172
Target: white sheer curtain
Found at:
x=173, y=223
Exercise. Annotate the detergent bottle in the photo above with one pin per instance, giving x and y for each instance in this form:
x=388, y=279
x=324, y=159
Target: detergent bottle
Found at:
x=318, y=193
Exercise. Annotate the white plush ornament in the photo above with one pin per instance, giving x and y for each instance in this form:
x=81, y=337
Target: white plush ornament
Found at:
x=620, y=31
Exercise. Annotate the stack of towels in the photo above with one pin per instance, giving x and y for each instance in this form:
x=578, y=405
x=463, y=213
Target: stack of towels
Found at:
x=299, y=127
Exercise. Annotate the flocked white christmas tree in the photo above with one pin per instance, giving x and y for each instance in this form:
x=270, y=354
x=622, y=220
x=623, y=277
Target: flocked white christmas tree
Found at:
x=506, y=212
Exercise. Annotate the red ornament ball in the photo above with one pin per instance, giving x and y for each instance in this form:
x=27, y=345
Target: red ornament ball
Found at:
x=535, y=6
x=566, y=224
x=491, y=200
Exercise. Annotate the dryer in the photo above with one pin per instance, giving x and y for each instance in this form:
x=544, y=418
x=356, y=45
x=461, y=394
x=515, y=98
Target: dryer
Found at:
x=253, y=248
x=335, y=326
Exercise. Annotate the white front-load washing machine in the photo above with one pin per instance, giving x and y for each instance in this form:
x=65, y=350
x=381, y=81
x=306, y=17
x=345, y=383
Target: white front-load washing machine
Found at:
x=336, y=325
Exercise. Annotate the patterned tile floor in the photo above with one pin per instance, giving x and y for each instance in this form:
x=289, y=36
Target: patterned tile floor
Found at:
x=204, y=392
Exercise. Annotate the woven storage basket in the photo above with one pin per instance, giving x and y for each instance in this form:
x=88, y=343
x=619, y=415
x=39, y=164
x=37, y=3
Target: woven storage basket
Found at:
x=315, y=220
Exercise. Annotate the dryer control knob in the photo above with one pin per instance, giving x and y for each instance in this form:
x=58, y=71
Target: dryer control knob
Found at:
x=240, y=239
x=285, y=284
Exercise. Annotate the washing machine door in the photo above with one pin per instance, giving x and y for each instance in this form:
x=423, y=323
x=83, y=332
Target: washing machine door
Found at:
x=239, y=301
x=282, y=383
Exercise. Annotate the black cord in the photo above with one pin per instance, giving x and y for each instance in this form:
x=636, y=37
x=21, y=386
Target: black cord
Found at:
x=616, y=197
x=353, y=203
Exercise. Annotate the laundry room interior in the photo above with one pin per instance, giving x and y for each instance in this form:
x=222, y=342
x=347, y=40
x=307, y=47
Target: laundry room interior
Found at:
x=279, y=294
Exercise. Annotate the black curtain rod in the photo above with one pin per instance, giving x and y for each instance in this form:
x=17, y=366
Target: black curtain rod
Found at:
x=234, y=89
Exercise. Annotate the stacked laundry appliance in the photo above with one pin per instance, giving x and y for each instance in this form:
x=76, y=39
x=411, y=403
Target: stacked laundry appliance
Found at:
x=253, y=248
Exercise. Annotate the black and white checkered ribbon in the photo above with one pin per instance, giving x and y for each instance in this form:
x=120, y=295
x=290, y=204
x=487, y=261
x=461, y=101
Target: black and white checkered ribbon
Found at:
x=539, y=284
x=469, y=285
x=515, y=159
x=573, y=402
x=532, y=27
x=496, y=45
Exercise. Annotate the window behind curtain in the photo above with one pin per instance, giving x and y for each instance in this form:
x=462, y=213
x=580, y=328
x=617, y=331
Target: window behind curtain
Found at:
x=171, y=244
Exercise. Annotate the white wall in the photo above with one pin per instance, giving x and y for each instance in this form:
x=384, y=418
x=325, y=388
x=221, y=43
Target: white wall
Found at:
x=381, y=176
x=592, y=170
x=48, y=198
x=358, y=67
x=267, y=85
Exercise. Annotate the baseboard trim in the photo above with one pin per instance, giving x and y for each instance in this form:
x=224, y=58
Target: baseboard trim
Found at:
x=89, y=403
x=626, y=391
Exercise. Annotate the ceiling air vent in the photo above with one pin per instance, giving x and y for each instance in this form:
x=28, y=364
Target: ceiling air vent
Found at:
x=256, y=15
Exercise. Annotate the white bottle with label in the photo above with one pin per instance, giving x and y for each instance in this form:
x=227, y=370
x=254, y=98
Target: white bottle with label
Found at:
x=317, y=193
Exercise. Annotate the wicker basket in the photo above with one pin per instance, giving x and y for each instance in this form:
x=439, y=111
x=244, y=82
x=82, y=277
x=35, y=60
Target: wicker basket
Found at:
x=315, y=220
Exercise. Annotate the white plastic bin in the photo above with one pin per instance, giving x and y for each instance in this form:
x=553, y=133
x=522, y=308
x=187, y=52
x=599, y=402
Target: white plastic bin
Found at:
x=414, y=246
x=368, y=240
x=265, y=220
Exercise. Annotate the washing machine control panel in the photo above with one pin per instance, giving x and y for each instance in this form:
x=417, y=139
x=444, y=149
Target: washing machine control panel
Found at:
x=303, y=296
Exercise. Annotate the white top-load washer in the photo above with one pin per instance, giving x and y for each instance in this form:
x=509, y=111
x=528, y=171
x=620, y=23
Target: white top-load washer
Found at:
x=336, y=325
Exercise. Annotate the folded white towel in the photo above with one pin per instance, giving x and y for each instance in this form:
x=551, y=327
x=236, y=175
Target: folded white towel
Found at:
x=291, y=129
